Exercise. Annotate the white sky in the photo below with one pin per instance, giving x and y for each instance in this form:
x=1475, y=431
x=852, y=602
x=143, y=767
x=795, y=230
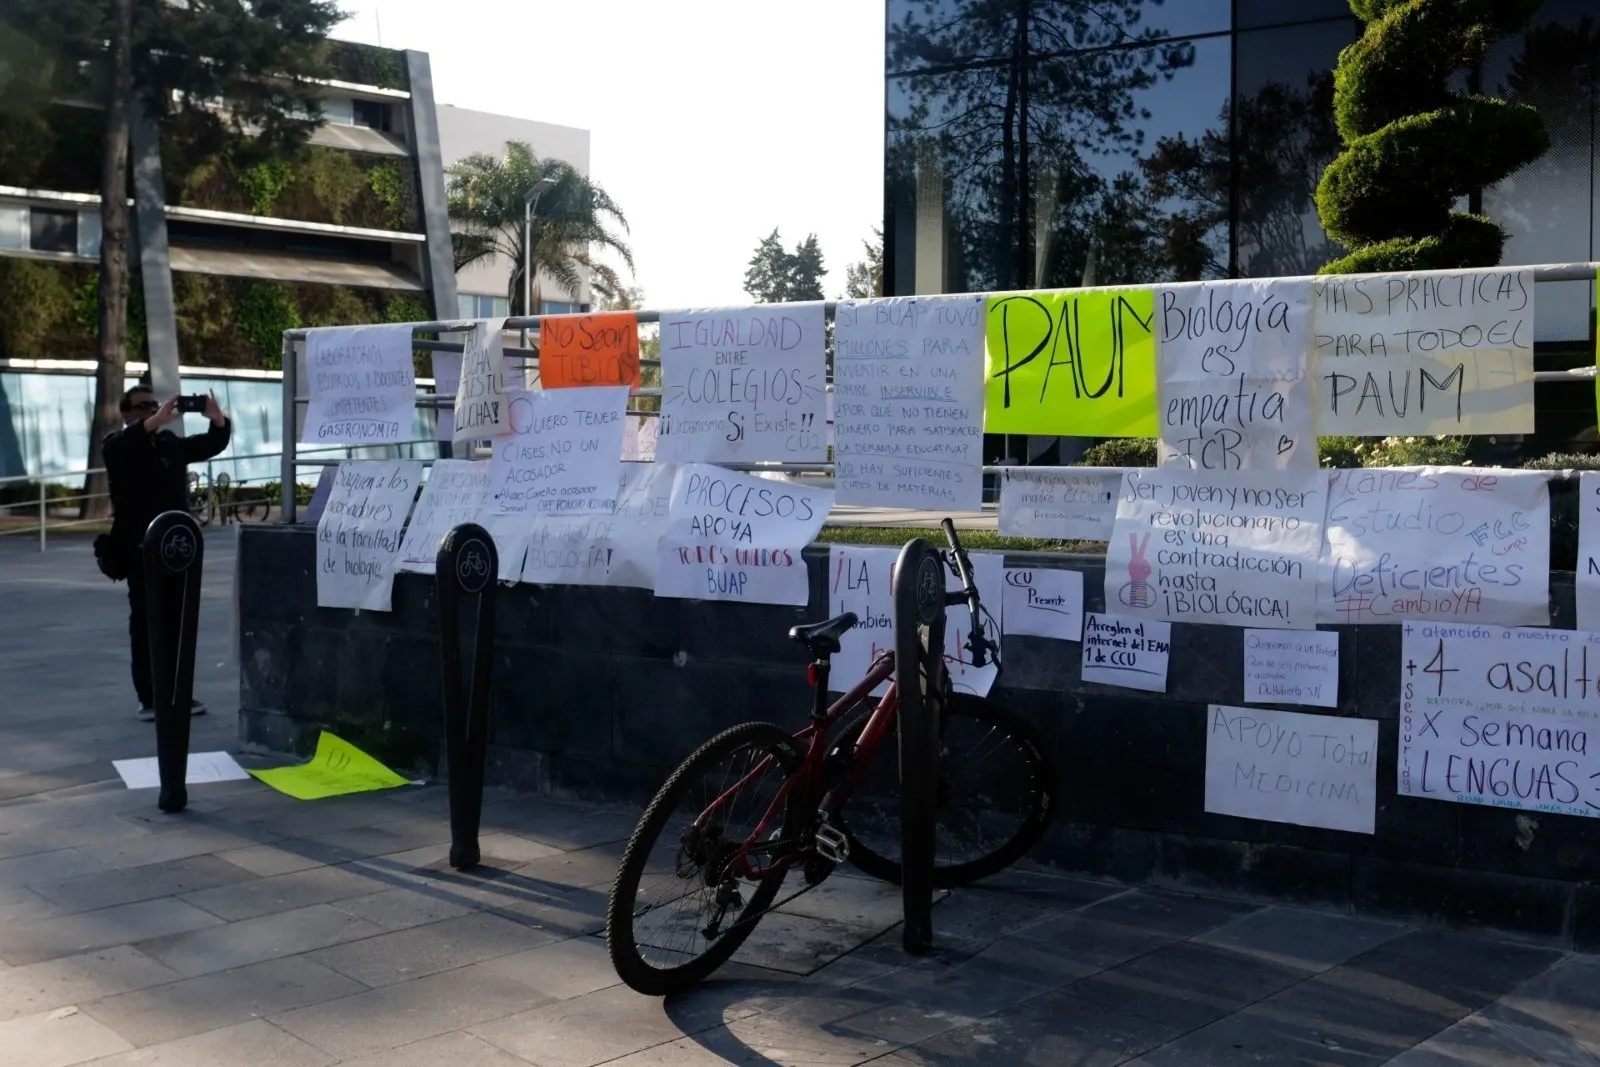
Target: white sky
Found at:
x=711, y=121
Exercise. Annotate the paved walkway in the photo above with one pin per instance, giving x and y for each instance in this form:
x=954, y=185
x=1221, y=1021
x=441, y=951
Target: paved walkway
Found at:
x=262, y=931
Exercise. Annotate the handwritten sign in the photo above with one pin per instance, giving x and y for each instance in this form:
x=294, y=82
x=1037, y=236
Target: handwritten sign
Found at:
x=1444, y=543
x=1499, y=716
x=1287, y=766
x=1431, y=352
x=362, y=385
x=1128, y=652
x=1044, y=602
x=639, y=438
x=620, y=549
x=598, y=349
x=446, y=380
x=743, y=385
x=1236, y=549
x=1235, y=394
x=457, y=491
x=738, y=537
x=1077, y=363
x=563, y=455
x=482, y=405
x=1070, y=503
x=1291, y=667
x=358, y=535
x=861, y=579
x=1587, y=580
x=908, y=383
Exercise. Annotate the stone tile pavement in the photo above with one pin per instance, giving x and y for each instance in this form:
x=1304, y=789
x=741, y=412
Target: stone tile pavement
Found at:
x=259, y=930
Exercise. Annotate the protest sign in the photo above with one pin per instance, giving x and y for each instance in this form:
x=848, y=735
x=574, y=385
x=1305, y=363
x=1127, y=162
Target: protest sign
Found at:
x=861, y=579
x=908, y=388
x=620, y=549
x=1498, y=716
x=1044, y=602
x=1128, y=652
x=1587, y=590
x=358, y=536
x=1291, y=667
x=563, y=455
x=1287, y=766
x=1430, y=352
x=743, y=385
x=738, y=537
x=597, y=349
x=457, y=491
x=446, y=380
x=639, y=438
x=1235, y=394
x=1070, y=503
x=482, y=405
x=1076, y=363
x=1436, y=543
x=1236, y=548
x=362, y=386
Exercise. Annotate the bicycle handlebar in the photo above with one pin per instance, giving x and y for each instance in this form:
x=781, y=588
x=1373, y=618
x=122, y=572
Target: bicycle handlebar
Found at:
x=977, y=644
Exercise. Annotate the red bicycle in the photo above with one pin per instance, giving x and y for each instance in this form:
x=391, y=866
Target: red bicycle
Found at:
x=753, y=804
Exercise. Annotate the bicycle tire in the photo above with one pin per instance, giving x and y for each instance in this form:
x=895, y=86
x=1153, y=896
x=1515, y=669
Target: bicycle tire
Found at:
x=621, y=939
x=1040, y=802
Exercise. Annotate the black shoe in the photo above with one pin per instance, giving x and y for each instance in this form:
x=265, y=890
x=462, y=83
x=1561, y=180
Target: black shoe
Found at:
x=147, y=714
x=196, y=708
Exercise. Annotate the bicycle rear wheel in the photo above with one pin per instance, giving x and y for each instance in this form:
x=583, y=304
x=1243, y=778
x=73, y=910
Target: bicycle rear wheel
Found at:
x=997, y=787
x=678, y=910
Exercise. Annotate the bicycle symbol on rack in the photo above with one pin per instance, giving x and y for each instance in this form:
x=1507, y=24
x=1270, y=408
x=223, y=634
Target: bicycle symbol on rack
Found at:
x=472, y=567
x=177, y=549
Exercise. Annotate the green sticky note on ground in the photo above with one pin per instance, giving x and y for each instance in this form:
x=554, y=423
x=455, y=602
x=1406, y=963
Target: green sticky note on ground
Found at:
x=337, y=768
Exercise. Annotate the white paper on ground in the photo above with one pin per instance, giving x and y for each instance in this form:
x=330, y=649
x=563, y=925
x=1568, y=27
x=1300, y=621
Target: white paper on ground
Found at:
x=1043, y=602
x=1128, y=652
x=1291, y=667
x=145, y=773
x=1290, y=767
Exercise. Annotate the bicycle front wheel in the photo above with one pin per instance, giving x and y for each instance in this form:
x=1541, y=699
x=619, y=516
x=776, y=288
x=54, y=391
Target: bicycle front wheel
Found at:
x=679, y=906
x=997, y=787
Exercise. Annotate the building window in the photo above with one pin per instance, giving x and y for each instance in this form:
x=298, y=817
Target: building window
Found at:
x=89, y=234
x=338, y=111
x=13, y=226
x=370, y=113
x=480, y=306
x=50, y=230
x=560, y=307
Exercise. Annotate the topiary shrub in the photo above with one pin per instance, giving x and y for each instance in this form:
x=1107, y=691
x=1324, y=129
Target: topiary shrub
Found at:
x=1121, y=452
x=1412, y=145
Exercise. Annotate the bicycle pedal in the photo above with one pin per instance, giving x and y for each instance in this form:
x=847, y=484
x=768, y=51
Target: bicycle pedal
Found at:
x=831, y=844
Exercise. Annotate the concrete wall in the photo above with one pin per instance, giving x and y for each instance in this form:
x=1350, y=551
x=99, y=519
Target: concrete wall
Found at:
x=598, y=692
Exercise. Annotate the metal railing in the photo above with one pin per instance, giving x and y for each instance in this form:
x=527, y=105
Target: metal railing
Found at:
x=292, y=339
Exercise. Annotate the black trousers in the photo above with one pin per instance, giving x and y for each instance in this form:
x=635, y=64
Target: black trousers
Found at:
x=139, y=639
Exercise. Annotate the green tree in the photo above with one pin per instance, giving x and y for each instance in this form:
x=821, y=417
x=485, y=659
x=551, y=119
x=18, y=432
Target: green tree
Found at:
x=1413, y=145
x=864, y=279
x=776, y=275
x=223, y=72
x=573, y=219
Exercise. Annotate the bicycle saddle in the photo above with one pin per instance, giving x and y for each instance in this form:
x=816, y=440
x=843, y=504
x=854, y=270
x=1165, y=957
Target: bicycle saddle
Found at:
x=822, y=638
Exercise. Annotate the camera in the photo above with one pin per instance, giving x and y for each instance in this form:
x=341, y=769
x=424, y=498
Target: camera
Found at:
x=193, y=404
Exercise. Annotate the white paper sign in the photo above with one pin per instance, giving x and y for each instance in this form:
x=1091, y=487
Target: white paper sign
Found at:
x=1505, y=717
x=1234, y=390
x=743, y=385
x=908, y=388
x=738, y=537
x=457, y=491
x=1291, y=667
x=620, y=549
x=358, y=536
x=1069, y=503
x=1431, y=352
x=446, y=379
x=1587, y=591
x=1044, y=602
x=639, y=438
x=563, y=455
x=482, y=401
x=1447, y=543
x=145, y=773
x=362, y=386
x=1237, y=548
x=1129, y=652
x=861, y=579
x=1287, y=766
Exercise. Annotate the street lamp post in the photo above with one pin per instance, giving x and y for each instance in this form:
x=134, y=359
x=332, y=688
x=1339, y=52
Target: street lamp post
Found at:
x=528, y=204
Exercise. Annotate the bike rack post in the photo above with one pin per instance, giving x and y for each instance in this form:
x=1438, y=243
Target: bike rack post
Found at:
x=173, y=556
x=466, y=569
x=919, y=604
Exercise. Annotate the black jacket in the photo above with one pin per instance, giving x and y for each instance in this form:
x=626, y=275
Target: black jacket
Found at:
x=149, y=475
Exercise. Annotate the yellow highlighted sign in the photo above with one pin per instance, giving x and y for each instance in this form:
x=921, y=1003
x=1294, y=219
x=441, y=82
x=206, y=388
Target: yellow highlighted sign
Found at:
x=1071, y=363
x=337, y=768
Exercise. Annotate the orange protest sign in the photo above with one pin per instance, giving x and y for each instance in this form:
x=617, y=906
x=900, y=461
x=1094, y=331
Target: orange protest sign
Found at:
x=600, y=349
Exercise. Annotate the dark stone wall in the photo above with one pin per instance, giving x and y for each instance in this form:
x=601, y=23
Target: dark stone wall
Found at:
x=599, y=692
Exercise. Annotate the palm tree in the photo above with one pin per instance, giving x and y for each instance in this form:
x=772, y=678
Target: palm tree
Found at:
x=573, y=219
